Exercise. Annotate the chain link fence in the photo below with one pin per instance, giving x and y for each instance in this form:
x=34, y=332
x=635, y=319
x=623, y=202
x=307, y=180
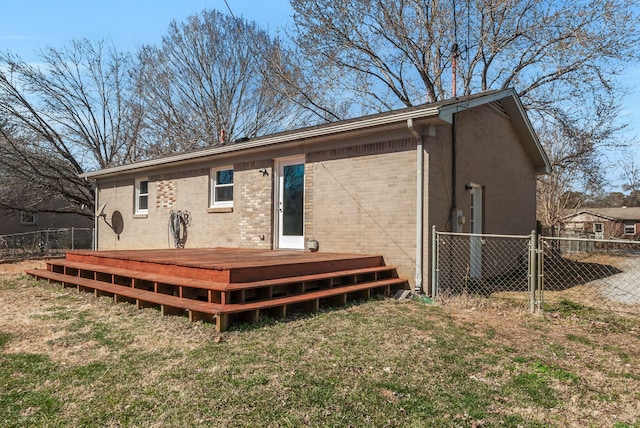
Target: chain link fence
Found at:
x=593, y=272
x=537, y=270
x=480, y=265
x=44, y=243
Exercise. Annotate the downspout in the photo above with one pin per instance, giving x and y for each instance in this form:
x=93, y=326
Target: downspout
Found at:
x=454, y=174
x=96, y=216
x=419, y=203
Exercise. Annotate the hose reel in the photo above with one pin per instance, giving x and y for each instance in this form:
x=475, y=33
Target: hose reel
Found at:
x=178, y=223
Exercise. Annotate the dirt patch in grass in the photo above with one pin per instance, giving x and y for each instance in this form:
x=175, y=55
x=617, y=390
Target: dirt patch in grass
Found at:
x=13, y=269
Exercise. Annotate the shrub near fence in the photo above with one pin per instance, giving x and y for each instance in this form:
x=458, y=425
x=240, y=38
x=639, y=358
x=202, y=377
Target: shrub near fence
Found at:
x=44, y=243
x=536, y=270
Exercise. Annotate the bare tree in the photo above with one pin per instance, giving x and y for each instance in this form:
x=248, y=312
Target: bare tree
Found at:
x=563, y=58
x=399, y=52
x=575, y=167
x=631, y=175
x=214, y=79
x=72, y=113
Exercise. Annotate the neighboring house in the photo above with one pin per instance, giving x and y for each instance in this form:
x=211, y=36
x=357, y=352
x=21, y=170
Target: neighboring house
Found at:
x=603, y=223
x=375, y=184
x=15, y=221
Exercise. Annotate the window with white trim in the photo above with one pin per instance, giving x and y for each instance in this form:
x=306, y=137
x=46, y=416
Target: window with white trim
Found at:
x=221, y=187
x=598, y=230
x=142, y=196
x=629, y=228
x=28, y=217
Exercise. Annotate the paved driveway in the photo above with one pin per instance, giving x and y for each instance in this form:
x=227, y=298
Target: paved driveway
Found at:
x=623, y=287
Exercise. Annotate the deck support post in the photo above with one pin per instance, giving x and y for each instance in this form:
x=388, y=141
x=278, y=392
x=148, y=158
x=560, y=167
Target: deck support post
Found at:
x=222, y=322
x=170, y=310
x=195, y=316
x=141, y=304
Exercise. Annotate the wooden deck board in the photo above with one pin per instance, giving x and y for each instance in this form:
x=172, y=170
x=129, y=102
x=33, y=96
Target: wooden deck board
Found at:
x=132, y=293
x=299, y=298
x=226, y=264
x=237, y=284
x=221, y=258
x=153, y=277
x=305, y=278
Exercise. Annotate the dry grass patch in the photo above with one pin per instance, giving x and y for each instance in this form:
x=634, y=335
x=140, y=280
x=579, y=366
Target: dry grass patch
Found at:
x=69, y=359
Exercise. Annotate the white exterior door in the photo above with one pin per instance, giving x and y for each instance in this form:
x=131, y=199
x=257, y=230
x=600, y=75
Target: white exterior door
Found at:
x=290, y=203
x=475, y=253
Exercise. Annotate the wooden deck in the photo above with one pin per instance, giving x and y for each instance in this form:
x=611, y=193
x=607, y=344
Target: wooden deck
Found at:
x=223, y=284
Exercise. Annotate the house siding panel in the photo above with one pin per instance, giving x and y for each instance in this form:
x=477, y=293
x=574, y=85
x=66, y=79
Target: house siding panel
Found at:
x=186, y=191
x=10, y=221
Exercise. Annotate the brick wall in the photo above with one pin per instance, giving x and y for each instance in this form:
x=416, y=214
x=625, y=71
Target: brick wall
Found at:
x=253, y=198
x=362, y=199
x=359, y=198
x=247, y=224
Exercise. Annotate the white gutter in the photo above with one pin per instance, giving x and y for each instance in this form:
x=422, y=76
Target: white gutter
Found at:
x=419, y=203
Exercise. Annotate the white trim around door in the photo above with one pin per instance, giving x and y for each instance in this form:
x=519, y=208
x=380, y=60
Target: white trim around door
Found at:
x=289, y=203
x=476, y=228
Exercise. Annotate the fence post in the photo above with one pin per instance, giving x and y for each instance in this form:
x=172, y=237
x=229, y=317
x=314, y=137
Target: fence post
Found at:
x=540, y=272
x=434, y=262
x=533, y=270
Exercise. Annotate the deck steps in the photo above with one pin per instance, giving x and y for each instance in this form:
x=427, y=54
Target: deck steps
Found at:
x=130, y=273
x=169, y=304
x=223, y=302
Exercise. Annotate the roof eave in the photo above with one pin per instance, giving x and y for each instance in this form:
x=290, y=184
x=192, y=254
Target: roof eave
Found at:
x=521, y=123
x=595, y=214
x=308, y=135
x=507, y=97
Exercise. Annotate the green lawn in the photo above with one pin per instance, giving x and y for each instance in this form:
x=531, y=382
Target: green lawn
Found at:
x=69, y=359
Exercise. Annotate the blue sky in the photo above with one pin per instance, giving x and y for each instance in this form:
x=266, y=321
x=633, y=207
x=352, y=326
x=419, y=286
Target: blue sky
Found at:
x=26, y=27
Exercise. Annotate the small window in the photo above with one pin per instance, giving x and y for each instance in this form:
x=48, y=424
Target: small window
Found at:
x=221, y=187
x=142, y=196
x=598, y=227
x=629, y=228
x=28, y=217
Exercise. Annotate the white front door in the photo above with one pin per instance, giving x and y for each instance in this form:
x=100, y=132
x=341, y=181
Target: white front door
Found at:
x=290, y=203
x=475, y=253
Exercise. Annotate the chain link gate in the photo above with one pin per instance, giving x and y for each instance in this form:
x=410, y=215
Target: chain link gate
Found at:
x=484, y=265
x=538, y=270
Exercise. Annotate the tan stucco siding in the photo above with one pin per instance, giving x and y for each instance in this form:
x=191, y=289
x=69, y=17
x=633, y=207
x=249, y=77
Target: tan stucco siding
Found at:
x=437, y=176
x=363, y=201
x=488, y=154
x=253, y=204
